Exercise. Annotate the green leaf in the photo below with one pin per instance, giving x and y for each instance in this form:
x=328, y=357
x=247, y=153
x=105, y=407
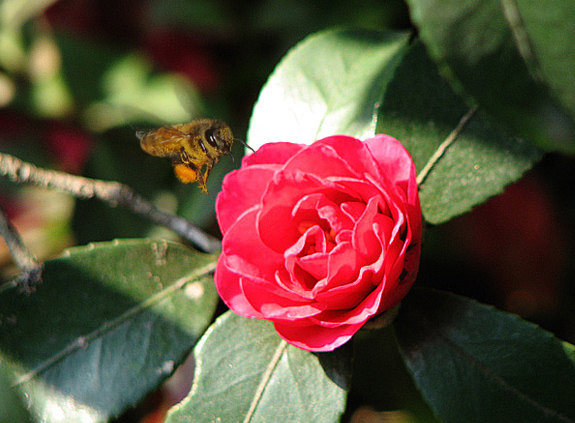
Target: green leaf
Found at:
x=12, y=408
x=474, y=363
x=246, y=373
x=339, y=81
x=108, y=323
x=331, y=83
x=420, y=110
x=514, y=57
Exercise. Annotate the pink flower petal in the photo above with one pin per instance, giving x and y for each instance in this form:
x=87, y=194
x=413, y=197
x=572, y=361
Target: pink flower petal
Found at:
x=275, y=304
x=229, y=288
x=248, y=256
x=352, y=150
x=322, y=160
x=275, y=224
x=365, y=241
x=272, y=153
x=319, y=239
x=392, y=157
x=241, y=190
x=313, y=337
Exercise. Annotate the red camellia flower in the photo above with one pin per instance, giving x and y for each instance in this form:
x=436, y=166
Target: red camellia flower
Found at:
x=319, y=239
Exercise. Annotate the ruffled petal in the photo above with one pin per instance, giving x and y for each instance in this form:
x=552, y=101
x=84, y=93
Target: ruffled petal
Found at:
x=355, y=152
x=272, y=153
x=241, y=190
x=276, y=303
x=312, y=337
x=323, y=160
x=392, y=157
x=248, y=256
x=276, y=226
x=230, y=291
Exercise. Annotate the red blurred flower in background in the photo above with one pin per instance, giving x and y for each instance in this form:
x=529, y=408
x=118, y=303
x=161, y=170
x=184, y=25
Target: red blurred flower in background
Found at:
x=319, y=239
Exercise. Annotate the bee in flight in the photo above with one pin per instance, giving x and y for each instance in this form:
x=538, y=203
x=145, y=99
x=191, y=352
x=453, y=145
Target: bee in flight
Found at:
x=190, y=147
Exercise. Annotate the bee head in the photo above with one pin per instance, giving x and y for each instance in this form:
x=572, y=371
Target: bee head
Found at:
x=219, y=136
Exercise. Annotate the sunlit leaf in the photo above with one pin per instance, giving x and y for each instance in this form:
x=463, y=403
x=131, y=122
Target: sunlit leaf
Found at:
x=474, y=363
x=514, y=57
x=246, y=373
x=106, y=326
x=330, y=83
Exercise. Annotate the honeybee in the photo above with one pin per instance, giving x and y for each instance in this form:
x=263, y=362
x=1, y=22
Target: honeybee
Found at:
x=190, y=147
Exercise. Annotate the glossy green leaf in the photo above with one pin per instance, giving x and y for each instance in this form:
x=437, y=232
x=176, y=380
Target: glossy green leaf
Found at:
x=107, y=325
x=514, y=57
x=246, y=373
x=330, y=83
x=420, y=110
x=474, y=363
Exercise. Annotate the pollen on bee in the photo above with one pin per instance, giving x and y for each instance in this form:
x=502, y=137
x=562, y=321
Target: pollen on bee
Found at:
x=185, y=174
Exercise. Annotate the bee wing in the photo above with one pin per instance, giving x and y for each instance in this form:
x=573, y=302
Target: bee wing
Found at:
x=164, y=142
x=170, y=134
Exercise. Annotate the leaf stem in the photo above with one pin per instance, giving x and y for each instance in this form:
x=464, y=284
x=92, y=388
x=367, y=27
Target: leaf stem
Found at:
x=422, y=176
x=21, y=255
x=110, y=192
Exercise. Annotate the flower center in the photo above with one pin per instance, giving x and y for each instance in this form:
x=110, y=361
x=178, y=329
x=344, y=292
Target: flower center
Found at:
x=313, y=245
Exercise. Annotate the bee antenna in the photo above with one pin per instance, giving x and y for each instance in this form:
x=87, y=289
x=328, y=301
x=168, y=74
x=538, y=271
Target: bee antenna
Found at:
x=243, y=142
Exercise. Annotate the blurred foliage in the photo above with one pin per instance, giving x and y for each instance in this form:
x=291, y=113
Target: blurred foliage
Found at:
x=78, y=77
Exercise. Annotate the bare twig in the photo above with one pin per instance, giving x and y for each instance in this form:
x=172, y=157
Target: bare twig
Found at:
x=111, y=192
x=23, y=258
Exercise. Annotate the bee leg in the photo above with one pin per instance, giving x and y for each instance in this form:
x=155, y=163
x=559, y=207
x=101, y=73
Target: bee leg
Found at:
x=209, y=167
x=202, y=183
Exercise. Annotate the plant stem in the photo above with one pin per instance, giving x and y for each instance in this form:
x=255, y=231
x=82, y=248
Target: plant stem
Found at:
x=23, y=258
x=111, y=192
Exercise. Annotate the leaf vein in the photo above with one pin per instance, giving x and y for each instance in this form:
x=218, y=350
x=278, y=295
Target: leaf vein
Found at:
x=265, y=379
x=502, y=382
x=424, y=173
x=522, y=41
x=83, y=341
